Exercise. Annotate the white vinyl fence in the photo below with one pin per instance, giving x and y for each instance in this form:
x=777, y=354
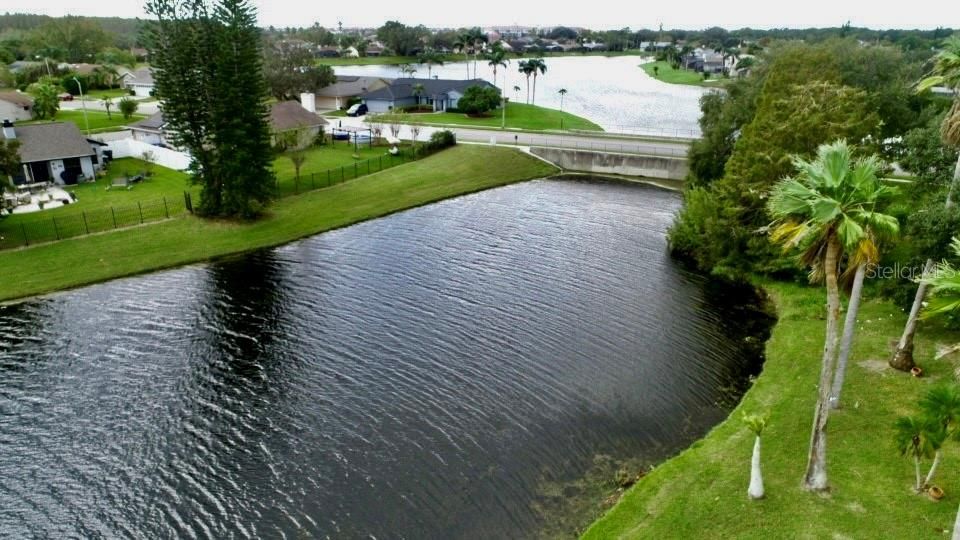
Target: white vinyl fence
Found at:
x=165, y=157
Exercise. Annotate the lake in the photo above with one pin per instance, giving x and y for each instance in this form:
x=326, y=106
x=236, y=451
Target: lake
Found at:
x=613, y=92
x=423, y=375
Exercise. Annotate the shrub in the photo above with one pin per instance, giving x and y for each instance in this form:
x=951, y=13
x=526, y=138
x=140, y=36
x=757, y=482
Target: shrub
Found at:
x=479, y=99
x=442, y=139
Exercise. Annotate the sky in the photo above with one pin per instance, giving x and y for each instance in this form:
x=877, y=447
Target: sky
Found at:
x=596, y=14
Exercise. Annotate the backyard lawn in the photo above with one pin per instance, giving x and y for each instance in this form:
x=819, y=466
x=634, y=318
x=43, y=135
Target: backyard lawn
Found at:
x=113, y=93
x=666, y=73
x=519, y=116
x=99, y=121
x=456, y=171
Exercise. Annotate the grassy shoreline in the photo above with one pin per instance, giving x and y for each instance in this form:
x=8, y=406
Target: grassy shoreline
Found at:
x=667, y=74
x=519, y=116
x=701, y=493
x=91, y=259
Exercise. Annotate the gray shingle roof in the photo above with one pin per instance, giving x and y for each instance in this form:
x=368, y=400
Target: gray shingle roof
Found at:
x=17, y=98
x=154, y=122
x=350, y=86
x=288, y=115
x=403, y=88
x=55, y=140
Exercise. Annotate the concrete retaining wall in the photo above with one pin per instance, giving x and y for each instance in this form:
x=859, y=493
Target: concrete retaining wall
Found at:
x=666, y=168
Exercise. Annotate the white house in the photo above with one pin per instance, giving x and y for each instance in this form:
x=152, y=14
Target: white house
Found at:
x=15, y=106
x=140, y=81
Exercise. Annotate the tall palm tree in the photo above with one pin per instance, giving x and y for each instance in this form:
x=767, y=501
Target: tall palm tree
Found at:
x=430, y=58
x=477, y=39
x=537, y=65
x=496, y=57
x=527, y=70
x=946, y=72
x=562, y=92
x=941, y=405
x=825, y=211
x=464, y=40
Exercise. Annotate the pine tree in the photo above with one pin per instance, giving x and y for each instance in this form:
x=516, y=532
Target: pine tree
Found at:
x=208, y=72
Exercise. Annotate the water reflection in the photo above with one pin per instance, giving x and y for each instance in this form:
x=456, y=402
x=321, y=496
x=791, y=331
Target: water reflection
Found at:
x=417, y=376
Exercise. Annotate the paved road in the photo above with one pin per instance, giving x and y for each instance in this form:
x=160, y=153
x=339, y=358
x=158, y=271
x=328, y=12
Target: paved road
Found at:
x=646, y=146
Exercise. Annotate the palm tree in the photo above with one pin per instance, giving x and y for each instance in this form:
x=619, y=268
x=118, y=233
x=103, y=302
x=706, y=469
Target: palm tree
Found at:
x=562, y=92
x=756, y=424
x=477, y=37
x=536, y=65
x=946, y=71
x=107, y=103
x=418, y=90
x=463, y=42
x=527, y=70
x=430, y=58
x=496, y=57
x=516, y=89
x=918, y=438
x=941, y=406
x=825, y=211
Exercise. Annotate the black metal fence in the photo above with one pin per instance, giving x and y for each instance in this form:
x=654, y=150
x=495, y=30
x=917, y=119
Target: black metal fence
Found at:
x=58, y=226
x=39, y=229
x=336, y=175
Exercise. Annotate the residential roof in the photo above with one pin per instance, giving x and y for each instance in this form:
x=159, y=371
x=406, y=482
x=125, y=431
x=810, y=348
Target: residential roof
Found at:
x=403, y=88
x=288, y=115
x=351, y=86
x=55, y=140
x=17, y=98
x=154, y=122
x=142, y=76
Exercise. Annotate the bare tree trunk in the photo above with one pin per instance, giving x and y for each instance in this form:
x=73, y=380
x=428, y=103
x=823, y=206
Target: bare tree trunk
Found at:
x=534, y=102
x=815, y=478
x=956, y=527
x=903, y=356
x=916, y=466
x=846, y=342
x=756, y=476
x=933, y=468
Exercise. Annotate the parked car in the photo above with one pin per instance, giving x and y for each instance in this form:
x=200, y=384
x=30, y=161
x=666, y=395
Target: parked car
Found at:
x=340, y=135
x=66, y=96
x=357, y=109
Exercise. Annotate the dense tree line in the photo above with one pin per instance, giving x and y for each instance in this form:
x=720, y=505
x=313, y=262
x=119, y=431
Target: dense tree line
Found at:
x=805, y=95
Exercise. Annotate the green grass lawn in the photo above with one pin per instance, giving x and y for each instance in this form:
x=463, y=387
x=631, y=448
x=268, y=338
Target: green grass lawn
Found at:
x=79, y=261
x=112, y=93
x=98, y=120
x=702, y=492
x=519, y=116
x=666, y=73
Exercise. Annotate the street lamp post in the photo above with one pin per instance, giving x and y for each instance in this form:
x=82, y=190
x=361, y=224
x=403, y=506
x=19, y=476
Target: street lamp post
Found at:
x=83, y=104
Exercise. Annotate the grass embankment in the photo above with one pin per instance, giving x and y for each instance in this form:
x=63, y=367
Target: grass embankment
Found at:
x=453, y=57
x=80, y=261
x=111, y=93
x=99, y=121
x=702, y=492
x=519, y=116
x=665, y=72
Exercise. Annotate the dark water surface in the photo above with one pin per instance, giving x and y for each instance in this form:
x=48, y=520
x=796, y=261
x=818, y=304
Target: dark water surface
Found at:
x=416, y=376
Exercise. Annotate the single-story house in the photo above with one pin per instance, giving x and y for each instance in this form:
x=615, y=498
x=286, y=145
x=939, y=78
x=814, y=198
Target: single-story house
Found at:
x=442, y=94
x=140, y=81
x=20, y=65
x=337, y=95
x=374, y=49
x=328, y=51
x=15, y=106
x=151, y=130
x=54, y=152
x=289, y=115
